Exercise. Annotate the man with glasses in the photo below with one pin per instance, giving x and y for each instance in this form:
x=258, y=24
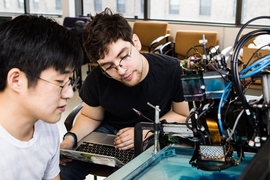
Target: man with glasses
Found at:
x=37, y=60
x=124, y=80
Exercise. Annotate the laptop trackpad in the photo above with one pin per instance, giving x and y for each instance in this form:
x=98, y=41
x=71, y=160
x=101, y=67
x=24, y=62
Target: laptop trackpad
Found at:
x=100, y=138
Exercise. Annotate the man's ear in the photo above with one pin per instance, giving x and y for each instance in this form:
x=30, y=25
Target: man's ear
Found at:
x=137, y=42
x=15, y=79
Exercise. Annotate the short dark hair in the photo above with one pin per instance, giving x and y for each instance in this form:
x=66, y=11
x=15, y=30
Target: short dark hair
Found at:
x=35, y=43
x=103, y=29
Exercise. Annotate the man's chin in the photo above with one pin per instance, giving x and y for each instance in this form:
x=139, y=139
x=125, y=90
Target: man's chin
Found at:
x=53, y=120
x=129, y=83
x=133, y=82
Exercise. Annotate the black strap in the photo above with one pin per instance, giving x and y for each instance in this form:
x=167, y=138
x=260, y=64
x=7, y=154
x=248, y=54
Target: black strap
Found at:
x=74, y=137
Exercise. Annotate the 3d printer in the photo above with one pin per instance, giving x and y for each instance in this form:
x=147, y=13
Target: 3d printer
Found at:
x=223, y=120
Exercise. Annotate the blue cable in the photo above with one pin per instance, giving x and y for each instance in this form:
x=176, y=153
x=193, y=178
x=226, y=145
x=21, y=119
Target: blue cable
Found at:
x=263, y=59
x=256, y=70
x=223, y=98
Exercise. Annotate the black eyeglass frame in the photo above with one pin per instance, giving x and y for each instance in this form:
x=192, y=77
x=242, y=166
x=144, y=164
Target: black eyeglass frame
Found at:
x=116, y=67
x=68, y=83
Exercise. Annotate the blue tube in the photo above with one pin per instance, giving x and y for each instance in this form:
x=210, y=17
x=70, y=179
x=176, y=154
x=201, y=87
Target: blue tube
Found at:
x=223, y=98
x=256, y=70
x=265, y=58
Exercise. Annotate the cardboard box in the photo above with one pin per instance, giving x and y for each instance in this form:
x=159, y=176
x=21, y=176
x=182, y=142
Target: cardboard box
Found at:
x=247, y=54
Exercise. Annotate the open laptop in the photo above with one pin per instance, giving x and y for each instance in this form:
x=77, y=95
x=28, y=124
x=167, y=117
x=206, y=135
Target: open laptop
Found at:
x=99, y=148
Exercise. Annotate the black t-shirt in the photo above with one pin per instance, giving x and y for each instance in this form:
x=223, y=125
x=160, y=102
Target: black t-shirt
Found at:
x=161, y=86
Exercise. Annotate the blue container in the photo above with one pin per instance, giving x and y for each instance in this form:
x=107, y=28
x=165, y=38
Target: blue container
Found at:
x=193, y=87
x=172, y=163
x=215, y=84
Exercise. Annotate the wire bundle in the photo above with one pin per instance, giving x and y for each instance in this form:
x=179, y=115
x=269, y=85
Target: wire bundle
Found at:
x=234, y=64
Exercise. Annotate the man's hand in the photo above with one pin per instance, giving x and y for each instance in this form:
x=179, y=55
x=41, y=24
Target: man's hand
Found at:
x=66, y=144
x=124, y=139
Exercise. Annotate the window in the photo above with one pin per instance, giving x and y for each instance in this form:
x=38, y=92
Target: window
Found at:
x=205, y=7
x=20, y=4
x=199, y=11
x=219, y=11
x=142, y=6
x=252, y=9
x=44, y=7
x=174, y=7
x=6, y=4
x=234, y=8
x=47, y=7
x=129, y=8
x=35, y=4
x=98, y=5
x=121, y=7
x=58, y=4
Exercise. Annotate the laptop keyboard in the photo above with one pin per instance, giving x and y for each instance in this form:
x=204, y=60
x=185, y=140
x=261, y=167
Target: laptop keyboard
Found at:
x=122, y=155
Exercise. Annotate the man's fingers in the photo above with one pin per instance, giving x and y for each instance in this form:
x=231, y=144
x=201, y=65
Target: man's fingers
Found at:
x=123, y=145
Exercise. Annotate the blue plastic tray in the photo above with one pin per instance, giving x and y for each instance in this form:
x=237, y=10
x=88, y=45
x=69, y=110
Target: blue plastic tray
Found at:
x=173, y=163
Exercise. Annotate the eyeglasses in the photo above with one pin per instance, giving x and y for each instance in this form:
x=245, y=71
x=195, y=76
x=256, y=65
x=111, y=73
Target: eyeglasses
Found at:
x=107, y=69
x=64, y=88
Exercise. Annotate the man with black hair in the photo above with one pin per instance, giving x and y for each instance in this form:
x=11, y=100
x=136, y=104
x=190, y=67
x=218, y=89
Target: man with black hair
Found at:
x=37, y=60
x=125, y=79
